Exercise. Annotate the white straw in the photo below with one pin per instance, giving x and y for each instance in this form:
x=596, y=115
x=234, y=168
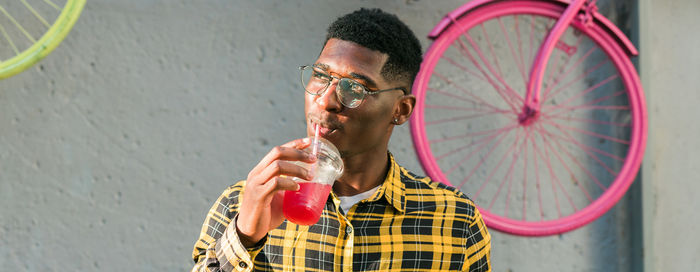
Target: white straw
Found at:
x=316, y=142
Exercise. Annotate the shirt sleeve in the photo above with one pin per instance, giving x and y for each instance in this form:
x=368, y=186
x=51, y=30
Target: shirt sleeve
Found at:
x=478, y=257
x=218, y=247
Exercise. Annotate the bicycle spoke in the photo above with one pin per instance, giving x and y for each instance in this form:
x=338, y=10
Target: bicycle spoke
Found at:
x=449, y=94
x=507, y=87
x=496, y=87
x=9, y=40
x=509, y=175
x=590, y=89
x=581, y=145
x=461, y=67
x=17, y=25
x=532, y=37
x=560, y=74
x=523, y=150
x=552, y=181
x=495, y=133
x=585, y=120
x=468, y=156
x=512, y=51
x=462, y=117
x=588, y=173
x=594, y=107
x=566, y=86
x=571, y=173
x=455, y=108
x=520, y=46
x=533, y=49
x=36, y=14
x=527, y=137
x=508, y=178
x=498, y=165
x=588, y=149
x=597, y=135
x=473, y=134
x=52, y=5
x=478, y=100
x=547, y=147
x=549, y=73
x=537, y=178
x=493, y=54
x=465, y=52
x=590, y=105
x=503, y=136
x=509, y=96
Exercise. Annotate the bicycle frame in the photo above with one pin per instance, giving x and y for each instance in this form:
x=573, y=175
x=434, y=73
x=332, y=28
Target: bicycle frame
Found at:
x=587, y=11
x=531, y=108
x=604, y=35
x=596, y=18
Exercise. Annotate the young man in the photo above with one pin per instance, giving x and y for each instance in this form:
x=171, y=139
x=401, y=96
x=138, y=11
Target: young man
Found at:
x=379, y=216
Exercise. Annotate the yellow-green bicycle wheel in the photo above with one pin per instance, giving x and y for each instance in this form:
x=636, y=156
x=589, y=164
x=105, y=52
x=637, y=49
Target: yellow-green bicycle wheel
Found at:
x=22, y=21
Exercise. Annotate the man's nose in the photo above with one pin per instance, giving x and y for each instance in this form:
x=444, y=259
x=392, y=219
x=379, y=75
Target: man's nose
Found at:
x=329, y=100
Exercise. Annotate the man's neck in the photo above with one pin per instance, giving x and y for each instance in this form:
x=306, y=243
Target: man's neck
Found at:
x=363, y=172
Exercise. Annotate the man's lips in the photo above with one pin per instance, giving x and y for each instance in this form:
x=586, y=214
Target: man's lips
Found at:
x=323, y=132
x=326, y=128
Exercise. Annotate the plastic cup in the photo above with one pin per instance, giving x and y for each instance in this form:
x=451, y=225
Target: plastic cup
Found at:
x=304, y=207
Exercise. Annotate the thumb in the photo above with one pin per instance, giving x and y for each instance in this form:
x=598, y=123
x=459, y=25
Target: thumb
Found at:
x=298, y=143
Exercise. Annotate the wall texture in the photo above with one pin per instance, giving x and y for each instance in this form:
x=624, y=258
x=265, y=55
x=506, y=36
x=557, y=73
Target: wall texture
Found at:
x=671, y=173
x=114, y=147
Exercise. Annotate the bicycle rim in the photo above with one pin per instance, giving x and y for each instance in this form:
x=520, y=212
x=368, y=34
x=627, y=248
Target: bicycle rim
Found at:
x=30, y=30
x=529, y=176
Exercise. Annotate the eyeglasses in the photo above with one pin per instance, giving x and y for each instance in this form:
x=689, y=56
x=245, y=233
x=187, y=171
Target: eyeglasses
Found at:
x=350, y=93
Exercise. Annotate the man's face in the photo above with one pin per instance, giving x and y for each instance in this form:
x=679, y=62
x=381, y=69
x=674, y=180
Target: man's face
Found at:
x=353, y=130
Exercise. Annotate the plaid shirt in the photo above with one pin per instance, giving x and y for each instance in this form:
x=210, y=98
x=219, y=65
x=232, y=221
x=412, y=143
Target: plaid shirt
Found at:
x=411, y=224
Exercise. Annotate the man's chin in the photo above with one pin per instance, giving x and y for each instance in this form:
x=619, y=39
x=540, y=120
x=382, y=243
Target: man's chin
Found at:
x=336, y=140
x=333, y=139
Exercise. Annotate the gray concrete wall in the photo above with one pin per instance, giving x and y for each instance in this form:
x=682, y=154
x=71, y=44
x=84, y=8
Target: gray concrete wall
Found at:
x=669, y=69
x=115, y=146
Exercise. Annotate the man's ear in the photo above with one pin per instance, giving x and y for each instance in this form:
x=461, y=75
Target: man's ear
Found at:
x=404, y=108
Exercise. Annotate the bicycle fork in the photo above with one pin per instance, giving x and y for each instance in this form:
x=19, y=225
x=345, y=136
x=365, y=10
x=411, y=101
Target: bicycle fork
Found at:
x=531, y=107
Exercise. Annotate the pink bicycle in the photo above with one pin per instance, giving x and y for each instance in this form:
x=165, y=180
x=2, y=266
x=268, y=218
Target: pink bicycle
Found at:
x=533, y=108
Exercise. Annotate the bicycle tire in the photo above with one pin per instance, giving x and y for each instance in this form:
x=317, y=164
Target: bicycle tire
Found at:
x=38, y=50
x=618, y=127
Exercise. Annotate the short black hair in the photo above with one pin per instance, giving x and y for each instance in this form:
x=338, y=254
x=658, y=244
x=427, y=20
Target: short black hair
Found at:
x=383, y=32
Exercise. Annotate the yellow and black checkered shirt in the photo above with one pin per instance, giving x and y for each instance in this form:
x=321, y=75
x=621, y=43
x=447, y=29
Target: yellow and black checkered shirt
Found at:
x=410, y=224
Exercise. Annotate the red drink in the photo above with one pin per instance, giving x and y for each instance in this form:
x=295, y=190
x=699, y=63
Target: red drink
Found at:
x=304, y=207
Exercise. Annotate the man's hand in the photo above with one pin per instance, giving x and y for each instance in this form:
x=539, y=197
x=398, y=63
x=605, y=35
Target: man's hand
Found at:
x=261, y=207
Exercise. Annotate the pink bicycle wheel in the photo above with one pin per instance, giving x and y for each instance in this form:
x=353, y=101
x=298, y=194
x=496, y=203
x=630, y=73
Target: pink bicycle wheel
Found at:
x=544, y=175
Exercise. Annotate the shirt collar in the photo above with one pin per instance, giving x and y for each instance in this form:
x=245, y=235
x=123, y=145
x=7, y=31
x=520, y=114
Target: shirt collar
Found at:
x=393, y=189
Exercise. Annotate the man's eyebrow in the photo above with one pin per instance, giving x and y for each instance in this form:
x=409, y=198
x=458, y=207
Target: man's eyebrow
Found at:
x=357, y=76
x=363, y=78
x=322, y=66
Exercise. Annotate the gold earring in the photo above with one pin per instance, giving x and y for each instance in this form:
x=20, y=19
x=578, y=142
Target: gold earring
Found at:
x=396, y=120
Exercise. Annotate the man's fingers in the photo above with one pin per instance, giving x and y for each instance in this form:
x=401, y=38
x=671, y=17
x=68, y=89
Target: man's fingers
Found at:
x=282, y=183
x=291, y=151
x=298, y=143
x=286, y=168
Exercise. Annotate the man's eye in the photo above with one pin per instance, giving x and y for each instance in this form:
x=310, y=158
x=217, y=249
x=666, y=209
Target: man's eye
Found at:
x=357, y=88
x=320, y=76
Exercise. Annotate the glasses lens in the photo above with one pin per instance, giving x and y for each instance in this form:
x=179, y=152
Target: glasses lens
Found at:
x=314, y=80
x=350, y=93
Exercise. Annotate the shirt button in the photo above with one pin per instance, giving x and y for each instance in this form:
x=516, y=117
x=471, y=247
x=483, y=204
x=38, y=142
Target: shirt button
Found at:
x=242, y=264
x=348, y=230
